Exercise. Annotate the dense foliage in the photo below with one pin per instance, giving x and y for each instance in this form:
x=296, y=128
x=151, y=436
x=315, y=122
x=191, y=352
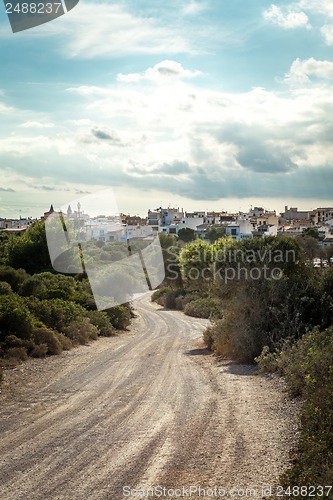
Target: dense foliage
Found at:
x=43, y=312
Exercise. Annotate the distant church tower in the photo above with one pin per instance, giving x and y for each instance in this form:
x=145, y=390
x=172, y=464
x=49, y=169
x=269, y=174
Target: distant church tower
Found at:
x=69, y=211
x=46, y=214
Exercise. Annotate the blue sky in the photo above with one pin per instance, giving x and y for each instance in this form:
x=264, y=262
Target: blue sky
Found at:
x=200, y=104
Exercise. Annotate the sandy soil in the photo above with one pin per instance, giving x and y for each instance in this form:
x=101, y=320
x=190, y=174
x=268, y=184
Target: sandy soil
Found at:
x=150, y=407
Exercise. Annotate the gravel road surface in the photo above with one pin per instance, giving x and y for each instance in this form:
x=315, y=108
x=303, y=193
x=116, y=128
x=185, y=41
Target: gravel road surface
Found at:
x=147, y=408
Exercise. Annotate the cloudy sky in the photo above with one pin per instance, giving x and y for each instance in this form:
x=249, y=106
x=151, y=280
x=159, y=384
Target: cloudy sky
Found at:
x=200, y=104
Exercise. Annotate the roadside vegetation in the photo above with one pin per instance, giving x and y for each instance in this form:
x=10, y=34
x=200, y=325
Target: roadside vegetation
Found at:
x=268, y=305
x=42, y=312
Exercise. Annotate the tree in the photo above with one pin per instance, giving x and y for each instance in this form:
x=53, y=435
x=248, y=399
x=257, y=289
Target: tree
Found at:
x=195, y=260
x=311, y=231
x=187, y=234
x=29, y=251
x=167, y=240
x=309, y=245
x=15, y=317
x=170, y=251
x=15, y=277
x=4, y=238
x=215, y=233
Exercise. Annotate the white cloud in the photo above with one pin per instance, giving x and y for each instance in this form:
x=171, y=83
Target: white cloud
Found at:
x=35, y=124
x=290, y=20
x=82, y=122
x=4, y=108
x=118, y=29
x=327, y=32
x=211, y=141
x=86, y=90
x=297, y=16
x=104, y=29
x=324, y=7
x=193, y=8
x=162, y=72
x=302, y=71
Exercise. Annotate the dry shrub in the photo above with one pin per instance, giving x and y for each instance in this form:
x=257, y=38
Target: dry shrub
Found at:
x=39, y=351
x=179, y=303
x=81, y=331
x=16, y=354
x=64, y=341
x=230, y=336
x=168, y=297
x=49, y=338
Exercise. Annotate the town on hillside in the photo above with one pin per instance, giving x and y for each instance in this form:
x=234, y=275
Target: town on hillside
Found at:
x=256, y=223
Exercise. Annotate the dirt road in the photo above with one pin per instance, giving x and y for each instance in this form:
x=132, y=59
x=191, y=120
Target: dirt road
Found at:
x=150, y=407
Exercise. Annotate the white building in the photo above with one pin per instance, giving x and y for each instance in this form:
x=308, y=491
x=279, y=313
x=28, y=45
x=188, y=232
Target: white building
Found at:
x=102, y=229
x=138, y=232
x=240, y=229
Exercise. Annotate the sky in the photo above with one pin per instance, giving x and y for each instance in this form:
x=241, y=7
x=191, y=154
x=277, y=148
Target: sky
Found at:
x=205, y=104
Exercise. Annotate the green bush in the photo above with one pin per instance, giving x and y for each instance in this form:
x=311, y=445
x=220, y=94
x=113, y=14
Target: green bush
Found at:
x=309, y=373
x=5, y=288
x=119, y=316
x=46, y=312
x=167, y=297
x=33, y=285
x=56, y=313
x=48, y=286
x=204, y=308
x=160, y=293
x=170, y=300
x=81, y=332
x=15, y=317
x=268, y=362
x=101, y=320
x=15, y=277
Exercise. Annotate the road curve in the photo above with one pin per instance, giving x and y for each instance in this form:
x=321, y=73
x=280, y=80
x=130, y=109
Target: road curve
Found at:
x=150, y=407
